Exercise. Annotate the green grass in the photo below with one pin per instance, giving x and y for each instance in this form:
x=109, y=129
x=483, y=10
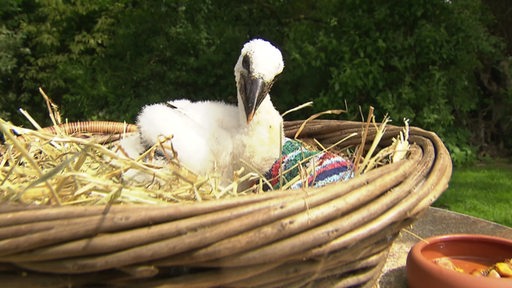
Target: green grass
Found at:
x=483, y=190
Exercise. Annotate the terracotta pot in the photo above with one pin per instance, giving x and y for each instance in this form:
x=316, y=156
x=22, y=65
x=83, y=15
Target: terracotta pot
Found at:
x=466, y=251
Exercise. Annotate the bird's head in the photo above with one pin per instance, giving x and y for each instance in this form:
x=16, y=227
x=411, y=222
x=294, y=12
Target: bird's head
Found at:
x=259, y=64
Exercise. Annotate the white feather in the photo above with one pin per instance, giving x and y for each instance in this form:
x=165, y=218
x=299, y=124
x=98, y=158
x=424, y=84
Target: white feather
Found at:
x=198, y=137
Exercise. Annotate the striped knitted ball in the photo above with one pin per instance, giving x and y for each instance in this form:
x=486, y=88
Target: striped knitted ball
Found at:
x=322, y=167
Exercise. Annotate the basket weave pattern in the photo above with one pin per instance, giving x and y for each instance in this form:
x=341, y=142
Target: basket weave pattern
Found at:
x=335, y=236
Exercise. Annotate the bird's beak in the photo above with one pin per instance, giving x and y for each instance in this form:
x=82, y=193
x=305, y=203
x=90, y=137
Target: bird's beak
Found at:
x=252, y=90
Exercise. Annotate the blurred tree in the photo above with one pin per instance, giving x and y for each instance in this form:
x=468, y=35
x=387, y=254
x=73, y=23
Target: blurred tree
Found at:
x=55, y=42
x=492, y=121
x=104, y=59
x=10, y=52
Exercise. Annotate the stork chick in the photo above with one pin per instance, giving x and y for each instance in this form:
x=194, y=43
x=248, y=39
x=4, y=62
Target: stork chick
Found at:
x=214, y=137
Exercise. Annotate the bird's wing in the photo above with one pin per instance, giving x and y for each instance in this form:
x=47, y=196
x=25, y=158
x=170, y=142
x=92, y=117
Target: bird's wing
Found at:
x=200, y=145
x=209, y=114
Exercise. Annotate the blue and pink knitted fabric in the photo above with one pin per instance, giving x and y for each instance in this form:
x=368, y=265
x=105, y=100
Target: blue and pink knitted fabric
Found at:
x=324, y=167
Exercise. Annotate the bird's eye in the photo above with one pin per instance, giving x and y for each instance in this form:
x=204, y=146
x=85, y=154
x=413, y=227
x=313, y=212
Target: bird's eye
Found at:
x=246, y=63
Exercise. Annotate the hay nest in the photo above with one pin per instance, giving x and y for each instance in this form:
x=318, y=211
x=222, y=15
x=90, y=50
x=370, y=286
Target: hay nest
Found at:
x=337, y=235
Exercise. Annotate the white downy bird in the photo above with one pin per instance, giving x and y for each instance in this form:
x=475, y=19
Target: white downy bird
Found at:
x=214, y=137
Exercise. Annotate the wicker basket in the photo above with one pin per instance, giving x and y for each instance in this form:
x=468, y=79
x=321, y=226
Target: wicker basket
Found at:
x=337, y=236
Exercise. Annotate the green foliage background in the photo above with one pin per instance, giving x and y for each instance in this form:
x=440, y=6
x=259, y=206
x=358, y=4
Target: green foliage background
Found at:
x=104, y=59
